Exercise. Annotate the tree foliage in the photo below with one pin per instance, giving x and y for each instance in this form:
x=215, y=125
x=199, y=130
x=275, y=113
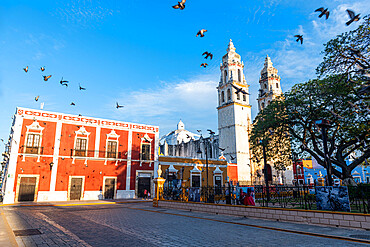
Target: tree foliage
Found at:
x=335, y=96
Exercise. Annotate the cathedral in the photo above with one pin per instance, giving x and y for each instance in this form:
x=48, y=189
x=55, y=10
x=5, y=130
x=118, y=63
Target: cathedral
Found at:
x=234, y=122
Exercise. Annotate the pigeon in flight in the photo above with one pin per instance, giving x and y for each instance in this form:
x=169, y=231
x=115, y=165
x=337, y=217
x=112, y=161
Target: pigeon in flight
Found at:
x=299, y=38
x=352, y=17
x=208, y=54
x=222, y=149
x=64, y=82
x=238, y=90
x=81, y=88
x=73, y=104
x=25, y=69
x=232, y=158
x=199, y=131
x=42, y=68
x=204, y=65
x=188, y=136
x=201, y=32
x=46, y=78
x=323, y=12
x=211, y=132
x=118, y=106
x=37, y=98
x=180, y=5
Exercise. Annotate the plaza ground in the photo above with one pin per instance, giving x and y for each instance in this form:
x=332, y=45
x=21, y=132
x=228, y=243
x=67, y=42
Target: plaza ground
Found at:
x=137, y=223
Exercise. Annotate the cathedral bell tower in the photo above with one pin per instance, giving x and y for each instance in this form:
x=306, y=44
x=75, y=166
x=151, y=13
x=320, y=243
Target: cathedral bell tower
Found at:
x=269, y=85
x=234, y=115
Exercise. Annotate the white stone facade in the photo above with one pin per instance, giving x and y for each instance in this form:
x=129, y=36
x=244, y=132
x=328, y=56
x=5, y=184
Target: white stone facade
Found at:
x=234, y=113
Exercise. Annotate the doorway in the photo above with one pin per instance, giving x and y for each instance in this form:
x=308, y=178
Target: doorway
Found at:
x=109, y=188
x=76, y=186
x=27, y=189
x=143, y=184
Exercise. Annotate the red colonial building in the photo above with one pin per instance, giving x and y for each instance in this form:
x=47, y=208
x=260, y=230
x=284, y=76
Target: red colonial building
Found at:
x=57, y=157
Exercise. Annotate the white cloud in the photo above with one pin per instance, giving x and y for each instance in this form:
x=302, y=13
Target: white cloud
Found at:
x=194, y=100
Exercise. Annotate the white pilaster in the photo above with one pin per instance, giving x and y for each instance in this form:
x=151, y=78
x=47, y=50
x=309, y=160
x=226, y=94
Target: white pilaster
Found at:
x=54, y=171
x=97, y=141
x=129, y=149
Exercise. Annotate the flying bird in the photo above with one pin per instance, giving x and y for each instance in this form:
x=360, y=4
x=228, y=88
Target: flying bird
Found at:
x=118, y=106
x=37, y=98
x=25, y=69
x=42, y=68
x=222, y=149
x=231, y=157
x=46, y=78
x=63, y=82
x=201, y=32
x=211, y=132
x=188, y=136
x=352, y=17
x=238, y=90
x=299, y=38
x=323, y=12
x=204, y=65
x=208, y=54
x=81, y=88
x=199, y=131
x=73, y=104
x=180, y=5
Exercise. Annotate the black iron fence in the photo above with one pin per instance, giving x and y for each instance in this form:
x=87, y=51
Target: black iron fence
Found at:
x=294, y=197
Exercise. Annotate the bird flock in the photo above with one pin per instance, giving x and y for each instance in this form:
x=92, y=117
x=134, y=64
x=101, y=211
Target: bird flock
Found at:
x=201, y=33
x=352, y=17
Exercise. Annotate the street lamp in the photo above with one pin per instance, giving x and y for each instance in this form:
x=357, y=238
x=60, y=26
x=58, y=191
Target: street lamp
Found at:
x=265, y=169
x=206, y=154
x=324, y=125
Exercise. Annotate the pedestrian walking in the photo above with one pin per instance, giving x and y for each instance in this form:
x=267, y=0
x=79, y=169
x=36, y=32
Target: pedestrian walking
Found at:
x=145, y=194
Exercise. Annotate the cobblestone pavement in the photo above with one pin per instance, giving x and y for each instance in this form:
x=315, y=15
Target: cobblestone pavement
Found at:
x=139, y=224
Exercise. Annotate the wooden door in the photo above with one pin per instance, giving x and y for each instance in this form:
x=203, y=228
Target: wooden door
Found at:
x=109, y=188
x=75, y=190
x=27, y=187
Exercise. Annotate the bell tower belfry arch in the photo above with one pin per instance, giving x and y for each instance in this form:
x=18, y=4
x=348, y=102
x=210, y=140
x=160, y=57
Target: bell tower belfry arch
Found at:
x=234, y=113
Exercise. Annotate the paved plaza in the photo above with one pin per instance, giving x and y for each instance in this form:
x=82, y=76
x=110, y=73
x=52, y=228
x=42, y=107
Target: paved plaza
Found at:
x=137, y=223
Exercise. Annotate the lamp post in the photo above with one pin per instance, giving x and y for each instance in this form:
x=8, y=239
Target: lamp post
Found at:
x=265, y=169
x=324, y=125
x=206, y=154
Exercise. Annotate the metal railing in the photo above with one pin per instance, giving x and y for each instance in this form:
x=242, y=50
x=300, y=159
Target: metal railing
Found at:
x=32, y=150
x=294, y=197
x=100, y=154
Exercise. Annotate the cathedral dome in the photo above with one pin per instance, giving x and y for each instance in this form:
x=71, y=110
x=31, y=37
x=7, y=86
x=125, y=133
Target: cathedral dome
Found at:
x=179, y=135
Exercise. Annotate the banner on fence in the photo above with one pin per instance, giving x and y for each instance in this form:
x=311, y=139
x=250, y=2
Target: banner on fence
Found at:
x=194, y=194
x=332, y=198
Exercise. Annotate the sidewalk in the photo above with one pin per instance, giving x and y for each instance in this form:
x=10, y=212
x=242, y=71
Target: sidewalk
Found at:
x=7, y=237
x=74, y=203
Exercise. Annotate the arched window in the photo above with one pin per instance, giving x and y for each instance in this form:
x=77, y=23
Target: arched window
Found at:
x=228, y=95
x=225, y=76
x=238, y=96
x=263, y=105
x=222, y=97
x=239, y=76
x=277, y=85
x=265, y=86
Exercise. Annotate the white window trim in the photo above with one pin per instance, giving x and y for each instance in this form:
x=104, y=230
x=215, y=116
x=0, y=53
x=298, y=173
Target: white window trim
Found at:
x=111, y=137
x=145, y=140
x=19, y=183
x=196, y=172
x=82, y=134
x=115, y=186
x=36, y=129
x=82, y=187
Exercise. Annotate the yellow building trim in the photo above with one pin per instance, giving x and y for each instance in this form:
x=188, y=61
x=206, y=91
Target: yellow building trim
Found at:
x=233, y=103
x=190, y=160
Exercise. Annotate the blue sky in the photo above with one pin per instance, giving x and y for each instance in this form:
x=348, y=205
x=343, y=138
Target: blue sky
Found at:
x=145, y=55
